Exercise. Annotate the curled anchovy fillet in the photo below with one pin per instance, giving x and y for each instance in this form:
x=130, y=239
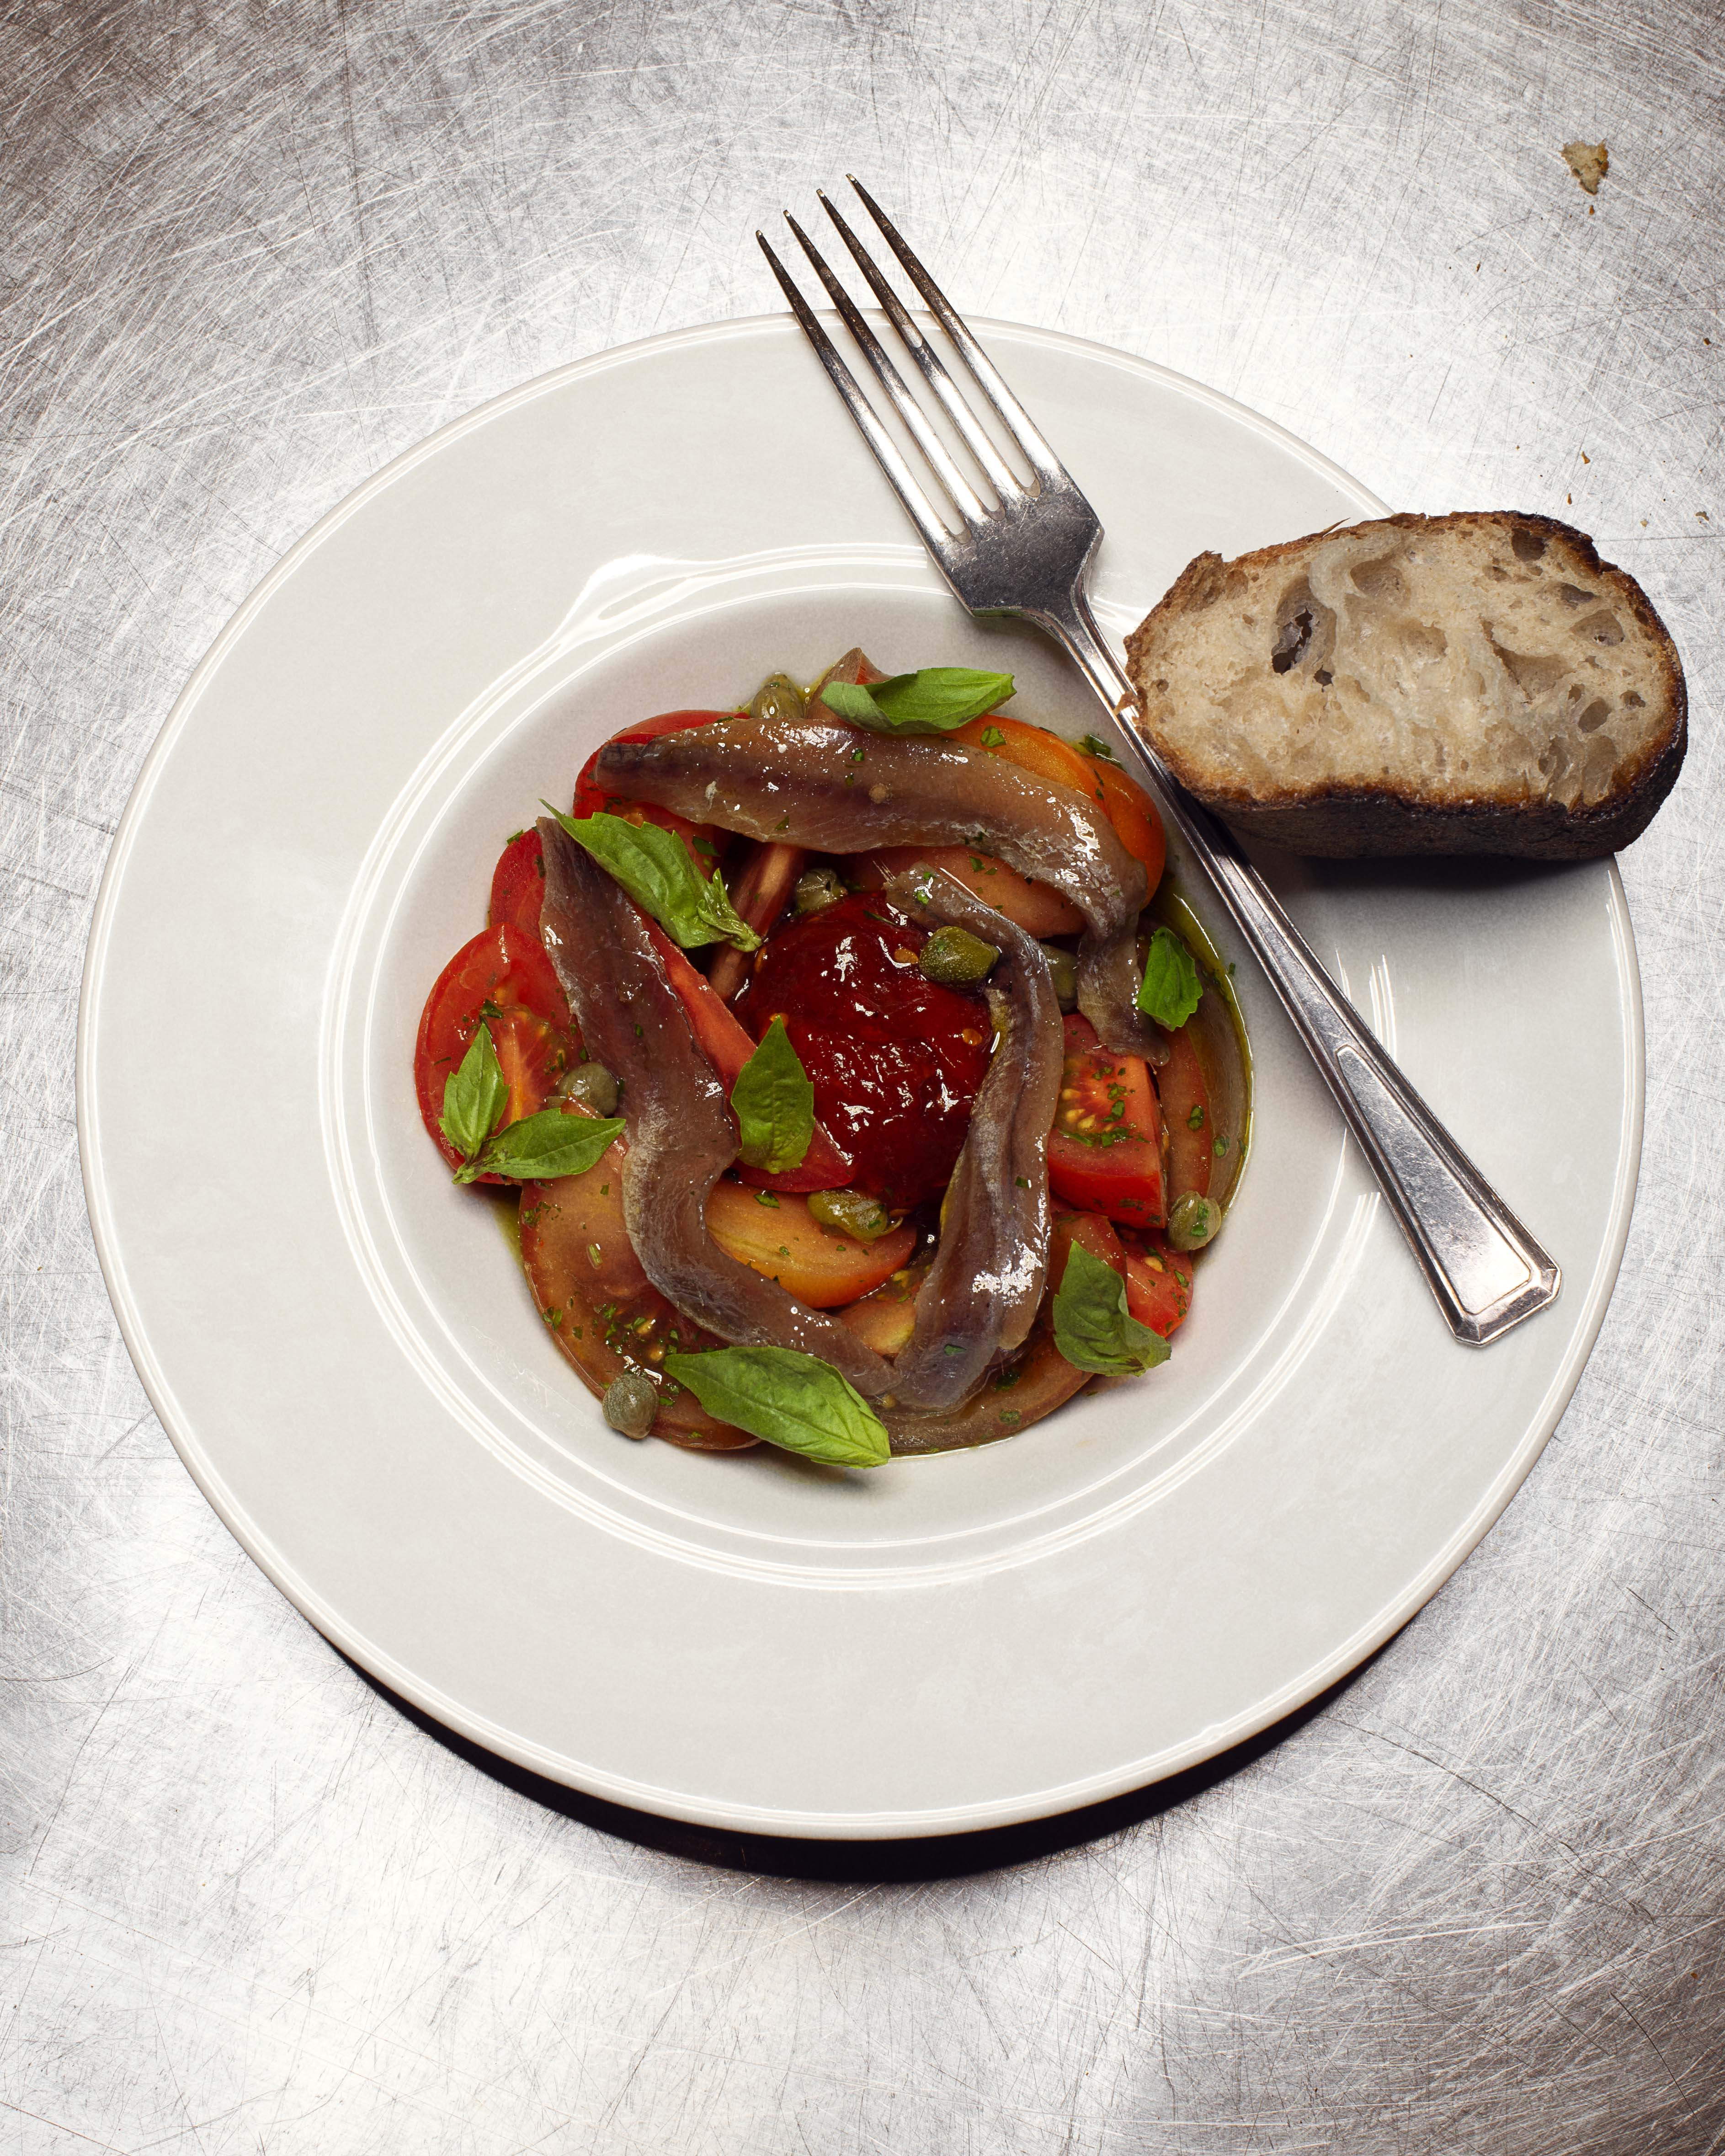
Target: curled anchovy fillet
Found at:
x=682, y=1136
x=984, y=1288
x=835, y=790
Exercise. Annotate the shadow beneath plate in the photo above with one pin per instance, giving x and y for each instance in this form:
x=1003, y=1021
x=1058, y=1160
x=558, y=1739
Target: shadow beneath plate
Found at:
x=925, y=1857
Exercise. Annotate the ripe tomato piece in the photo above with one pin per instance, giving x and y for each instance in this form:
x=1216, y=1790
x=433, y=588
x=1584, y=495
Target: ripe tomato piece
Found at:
x=518, y=884
x=1158, y=1280
x=894, y=1059
x=781, y=1239
x=504, y=978
x=1104, y=1150
x=1098, y=1235
x=1031, y=748
x=1137, y=823
x=1186, y=1111
x=1158, y=1283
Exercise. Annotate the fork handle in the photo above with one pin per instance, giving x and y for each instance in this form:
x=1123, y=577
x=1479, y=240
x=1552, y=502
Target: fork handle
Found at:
x=1484, y=1268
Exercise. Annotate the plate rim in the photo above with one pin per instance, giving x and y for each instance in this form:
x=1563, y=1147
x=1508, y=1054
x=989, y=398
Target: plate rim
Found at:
x=899, y=1824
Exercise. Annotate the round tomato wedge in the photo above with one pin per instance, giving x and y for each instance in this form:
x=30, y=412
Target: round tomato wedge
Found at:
x=504, y=979
x=1159, y=1282
x=518, y=883
x=1104, y=1150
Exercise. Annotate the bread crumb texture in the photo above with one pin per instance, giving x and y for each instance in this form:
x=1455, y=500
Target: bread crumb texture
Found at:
x=1590, y=162
x=1474, y=683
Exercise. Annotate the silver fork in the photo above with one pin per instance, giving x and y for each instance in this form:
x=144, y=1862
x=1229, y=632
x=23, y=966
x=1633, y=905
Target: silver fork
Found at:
x=1029, y=557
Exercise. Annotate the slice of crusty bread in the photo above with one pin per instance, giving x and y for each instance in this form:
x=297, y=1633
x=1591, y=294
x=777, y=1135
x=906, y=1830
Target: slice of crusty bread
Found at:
x=1479, y=683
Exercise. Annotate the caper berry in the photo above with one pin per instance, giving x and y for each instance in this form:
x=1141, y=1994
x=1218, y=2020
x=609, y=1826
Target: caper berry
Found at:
x=817, y=888
x=953, y=955
x=631, y=1403
x=777, y=697
x=593, y=1086
x=850, y=1212
x=1193, y=1222
x=1064, y=966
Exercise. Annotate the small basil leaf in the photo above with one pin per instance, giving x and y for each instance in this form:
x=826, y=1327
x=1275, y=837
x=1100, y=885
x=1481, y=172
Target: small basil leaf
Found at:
x=540, y=1148
x=935, y=699
x=1170, y=989
x=1092, y=1326
x=716, y=908
x=654, y=867
x=474, y=1096
x=775, y=1104
x=793, y=1400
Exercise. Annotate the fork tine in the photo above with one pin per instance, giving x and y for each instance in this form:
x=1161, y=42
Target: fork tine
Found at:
x=1014, y=416
x=934, y=535
x=893, y=382
x=1001, y=477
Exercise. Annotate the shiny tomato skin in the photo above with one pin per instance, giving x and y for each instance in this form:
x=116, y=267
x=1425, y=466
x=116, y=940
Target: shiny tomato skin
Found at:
x=1137, y=820
x=532, y=1032
x=518, y=884
x=1186, y=1110
x=588, y=797
x=1158, y=1283
x=1031, y=748
x=1158, y=1279
x=781, y=1239
x=1105, y=1150
x=894, y=1059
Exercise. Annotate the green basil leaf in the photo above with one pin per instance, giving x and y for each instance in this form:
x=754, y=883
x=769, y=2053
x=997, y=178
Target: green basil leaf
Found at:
x=1170, y=989
x=935, y=699
x=793, y=1400
x=775, y=1104
x=1092, y=1326
x=715, y=907
x=654, y=867
x=474, y=1096
x=539, y=1148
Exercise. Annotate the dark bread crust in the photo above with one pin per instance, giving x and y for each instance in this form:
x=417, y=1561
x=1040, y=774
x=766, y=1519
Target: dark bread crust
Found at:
x=1341, y=822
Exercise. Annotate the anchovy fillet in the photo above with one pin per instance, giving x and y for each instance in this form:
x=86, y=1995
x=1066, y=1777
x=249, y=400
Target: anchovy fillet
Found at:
x=984, y=1288
x=682, y=1135
x=836, y=790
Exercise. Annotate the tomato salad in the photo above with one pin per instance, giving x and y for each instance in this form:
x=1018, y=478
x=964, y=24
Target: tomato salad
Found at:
x=861, y=1094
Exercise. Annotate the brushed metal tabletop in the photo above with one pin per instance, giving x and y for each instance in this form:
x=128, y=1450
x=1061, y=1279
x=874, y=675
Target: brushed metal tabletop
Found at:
x=1469, y=1901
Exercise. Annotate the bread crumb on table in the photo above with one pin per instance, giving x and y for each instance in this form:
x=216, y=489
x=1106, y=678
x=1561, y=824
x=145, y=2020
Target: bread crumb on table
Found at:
x=1589, y=163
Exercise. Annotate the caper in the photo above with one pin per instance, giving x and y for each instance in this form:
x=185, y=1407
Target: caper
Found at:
x=816, y=888
x=1193, y=1222
x=1064, y=966
x=953, y=955
x=777, y=697
x=850, y=1212
x=593, y=1086
x=631, y=1403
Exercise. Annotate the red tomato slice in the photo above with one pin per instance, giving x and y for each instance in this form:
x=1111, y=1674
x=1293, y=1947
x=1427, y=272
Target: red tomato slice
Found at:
x=1158, y=1280
x=504, y=977
x=1186, y=1110
x=1158, y=1284
x=1137, y=823
x=1104, y=1150
x=518, y=883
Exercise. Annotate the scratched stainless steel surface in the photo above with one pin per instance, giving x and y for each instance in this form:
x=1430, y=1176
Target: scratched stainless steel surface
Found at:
x=1471, y=1902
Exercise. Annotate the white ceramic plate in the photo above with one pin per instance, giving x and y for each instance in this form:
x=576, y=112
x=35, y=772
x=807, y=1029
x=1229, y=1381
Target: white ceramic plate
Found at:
x=348, y=1361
